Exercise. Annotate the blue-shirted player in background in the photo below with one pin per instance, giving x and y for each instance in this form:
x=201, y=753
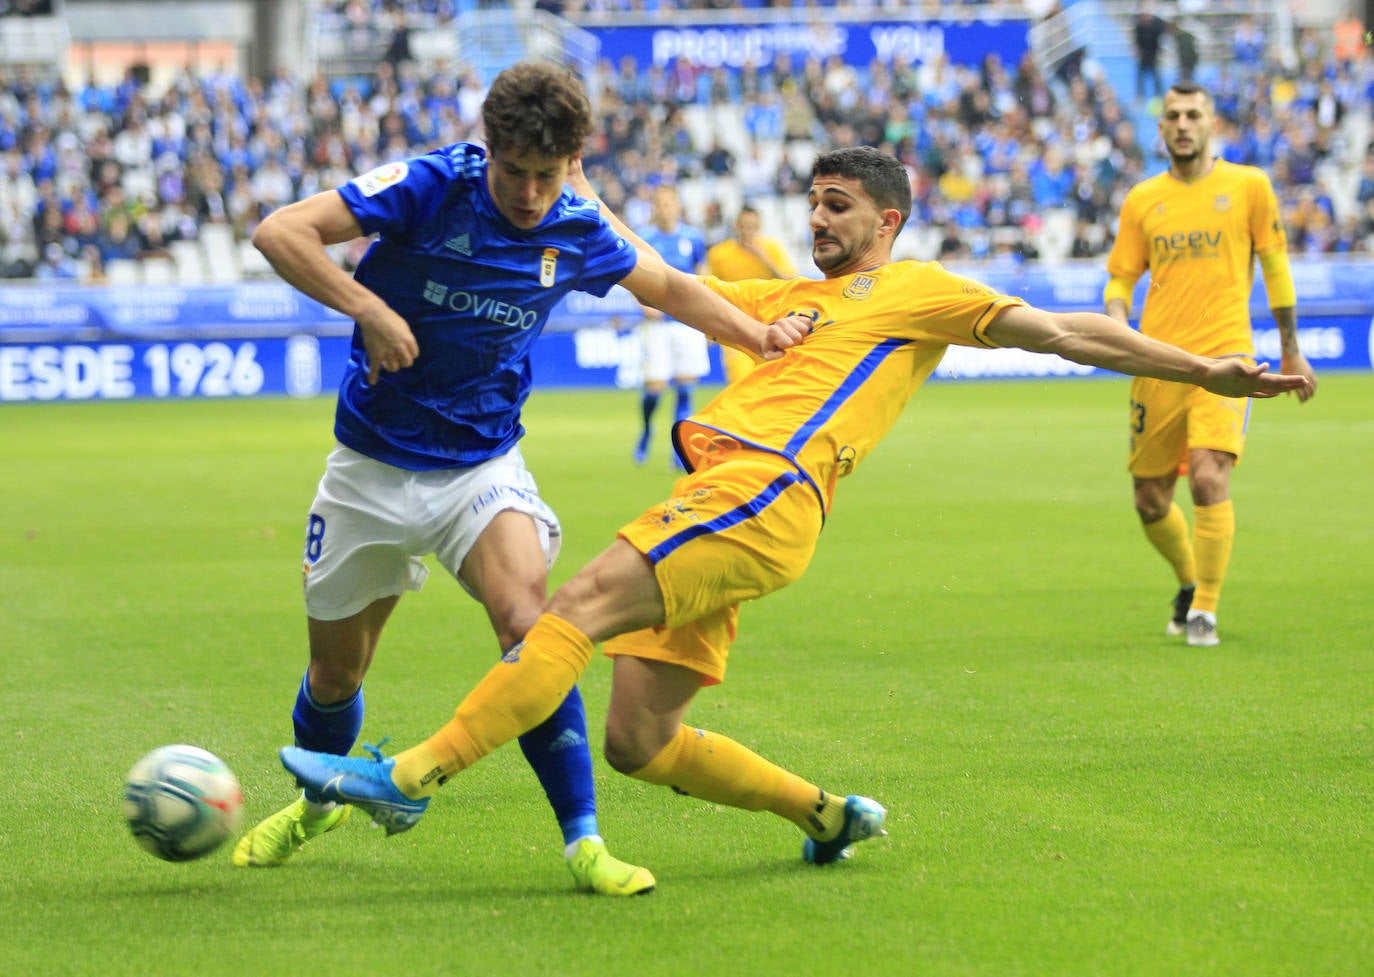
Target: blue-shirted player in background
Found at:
x=475, y=249
x=671, y=350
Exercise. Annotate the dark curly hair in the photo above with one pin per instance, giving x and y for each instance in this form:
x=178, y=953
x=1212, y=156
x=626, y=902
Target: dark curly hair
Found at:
x=539, y=107
x=883, y=177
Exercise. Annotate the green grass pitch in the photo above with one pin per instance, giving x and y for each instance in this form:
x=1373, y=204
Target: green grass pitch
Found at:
x=978, y=644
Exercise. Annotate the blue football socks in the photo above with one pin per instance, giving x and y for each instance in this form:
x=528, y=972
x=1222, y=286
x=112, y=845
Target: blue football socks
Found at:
x=326, y=729
x=557, y=751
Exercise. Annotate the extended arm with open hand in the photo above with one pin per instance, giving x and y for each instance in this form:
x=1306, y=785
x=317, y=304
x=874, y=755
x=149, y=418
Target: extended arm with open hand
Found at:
x=1099, y=340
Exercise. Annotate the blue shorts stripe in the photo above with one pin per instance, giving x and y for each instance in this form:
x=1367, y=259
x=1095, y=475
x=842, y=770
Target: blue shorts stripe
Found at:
x=726, y=520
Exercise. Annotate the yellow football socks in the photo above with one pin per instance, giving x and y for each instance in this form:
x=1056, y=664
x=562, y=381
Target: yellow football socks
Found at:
x=715, y=768
x=523, y=690
x=1170, y=536
x=1213, y=534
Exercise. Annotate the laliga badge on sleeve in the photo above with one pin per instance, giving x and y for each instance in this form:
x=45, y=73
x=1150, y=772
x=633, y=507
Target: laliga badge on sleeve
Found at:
x=375, y=181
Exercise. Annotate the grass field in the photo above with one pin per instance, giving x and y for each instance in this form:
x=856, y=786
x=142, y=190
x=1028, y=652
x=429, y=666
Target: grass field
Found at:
x=978, y=645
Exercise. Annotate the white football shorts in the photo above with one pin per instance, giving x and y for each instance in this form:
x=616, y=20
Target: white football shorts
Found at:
x=371, y=523
x=673, y=350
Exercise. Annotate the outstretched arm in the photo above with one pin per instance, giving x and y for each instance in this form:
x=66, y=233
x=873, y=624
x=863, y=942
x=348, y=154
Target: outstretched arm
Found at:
x=293, y=239
x=1099, y=340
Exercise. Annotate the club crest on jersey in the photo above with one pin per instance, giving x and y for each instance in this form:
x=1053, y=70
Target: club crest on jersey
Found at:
x=860, y=288
x=1221, y=203
x=548, y=267
x=375, y=181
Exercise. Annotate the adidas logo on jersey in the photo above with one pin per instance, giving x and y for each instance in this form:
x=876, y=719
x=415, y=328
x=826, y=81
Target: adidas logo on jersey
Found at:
x=461, y=244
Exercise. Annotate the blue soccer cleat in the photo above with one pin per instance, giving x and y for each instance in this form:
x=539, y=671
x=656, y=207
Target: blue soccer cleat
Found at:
x=642, y=449
x=364, y=783
x=863, y=819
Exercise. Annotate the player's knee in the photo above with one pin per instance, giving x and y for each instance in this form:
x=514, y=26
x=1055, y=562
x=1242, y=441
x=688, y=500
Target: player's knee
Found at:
x=511, y=618
x=1151, y=504
x=626, y=748
x=1150, y=510
x=1209, y=489
x=624, y=757
x=335, y=681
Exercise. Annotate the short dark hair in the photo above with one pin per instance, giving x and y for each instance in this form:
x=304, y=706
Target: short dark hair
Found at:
x=882, y=175
x=539, y=107
x=1185, y=87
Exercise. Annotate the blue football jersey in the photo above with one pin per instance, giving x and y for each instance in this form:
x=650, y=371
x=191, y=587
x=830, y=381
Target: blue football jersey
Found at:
x=684, y=247
x=476, y=290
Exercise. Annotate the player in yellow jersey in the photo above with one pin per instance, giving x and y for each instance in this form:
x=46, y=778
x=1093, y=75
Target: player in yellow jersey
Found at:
x=749, y=254
x=1197, y=229
x=764, y=457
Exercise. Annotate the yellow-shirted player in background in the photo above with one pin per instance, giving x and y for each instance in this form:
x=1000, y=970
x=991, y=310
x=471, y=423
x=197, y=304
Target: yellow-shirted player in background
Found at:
x=1197, y=229
x=765, y=456
x=747, y=255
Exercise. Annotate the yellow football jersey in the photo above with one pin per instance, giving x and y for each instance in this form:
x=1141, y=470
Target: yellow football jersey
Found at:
x=825, y=403
x=729, y=261
x=1199, y=241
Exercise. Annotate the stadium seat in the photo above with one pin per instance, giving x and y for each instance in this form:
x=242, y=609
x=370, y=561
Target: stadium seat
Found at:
x=123, y=271
x=1054, y=240
x=221, y=257
x=189, y=262
x=252, y=263
x=159, y=271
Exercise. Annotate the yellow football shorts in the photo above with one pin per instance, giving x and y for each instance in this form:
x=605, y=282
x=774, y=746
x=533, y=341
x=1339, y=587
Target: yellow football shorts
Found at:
x=732, y=532
x=1169, y=419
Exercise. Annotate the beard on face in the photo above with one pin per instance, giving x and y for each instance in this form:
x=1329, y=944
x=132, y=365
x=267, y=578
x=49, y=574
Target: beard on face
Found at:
x=831, y=259
x=1188, y=157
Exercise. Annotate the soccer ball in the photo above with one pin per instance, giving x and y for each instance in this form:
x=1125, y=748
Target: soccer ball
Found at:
x=182, y=802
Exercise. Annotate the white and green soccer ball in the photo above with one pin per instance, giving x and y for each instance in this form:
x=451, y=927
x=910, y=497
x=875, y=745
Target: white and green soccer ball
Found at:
x=181, y=802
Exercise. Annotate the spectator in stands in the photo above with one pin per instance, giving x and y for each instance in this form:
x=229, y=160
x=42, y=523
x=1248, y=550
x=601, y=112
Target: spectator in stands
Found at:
x=1185, y=31
x=92, y=266
x=1364, y=190
x=119, y=239
x=1051, y=179
x=754, y=173
x=1148, y=35
x=1249, y=46
x=952, y=245
x=57, y=265
x=1083, y=244
x=1348, y=36
x=714, y=229
x=1366, y=224
x=763, y=117
x=798, y=115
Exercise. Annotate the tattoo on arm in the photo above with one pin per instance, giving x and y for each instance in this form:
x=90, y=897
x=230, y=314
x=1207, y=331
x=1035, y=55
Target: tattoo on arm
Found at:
x=1287, y=321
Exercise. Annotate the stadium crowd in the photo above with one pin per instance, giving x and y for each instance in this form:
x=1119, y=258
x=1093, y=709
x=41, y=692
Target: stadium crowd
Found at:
x=94, y=173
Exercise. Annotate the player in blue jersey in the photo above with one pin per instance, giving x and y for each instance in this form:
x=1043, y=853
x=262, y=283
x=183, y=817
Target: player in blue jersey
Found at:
x=671, y=350
x=474, y=250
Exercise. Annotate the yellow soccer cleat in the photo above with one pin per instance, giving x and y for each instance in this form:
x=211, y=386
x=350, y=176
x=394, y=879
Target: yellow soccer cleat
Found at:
x=596, y=870
x=275, y=839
